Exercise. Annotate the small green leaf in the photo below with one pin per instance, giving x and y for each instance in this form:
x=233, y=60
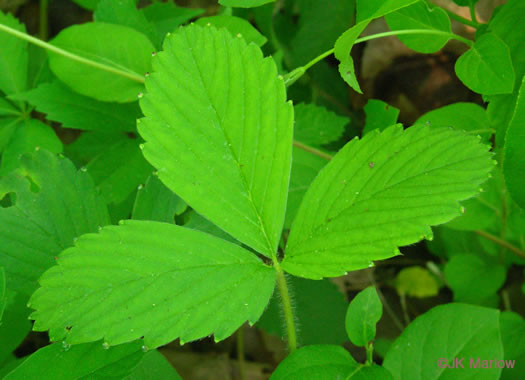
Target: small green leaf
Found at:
x=219, y=131
x=381, y=192
x=446, y=332
x=29, y=134
x=362, y=315
x=166, y=17
x=73, y=110
x=512, y=327
x=514, y=151
x=487, y=67
x=54, y=204
x=161, y=272
x=89, y=360
x=14, y=325
x=379, y=115
x=416, y=282
x=320, y=308
x=472, y=279
x=156, y=202
x=118, y=46
x=8, y=127
x=244, y=3
x=315, y=125
x=13, y=57
x=421, y=15
x=316, y=362
x=235, y=26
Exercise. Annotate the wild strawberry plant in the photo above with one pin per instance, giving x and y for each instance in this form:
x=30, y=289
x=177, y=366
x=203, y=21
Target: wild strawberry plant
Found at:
x=189, y=212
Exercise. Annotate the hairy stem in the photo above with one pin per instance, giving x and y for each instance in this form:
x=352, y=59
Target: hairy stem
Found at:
x=501, y=242
x=24, y=36
x=287, y=307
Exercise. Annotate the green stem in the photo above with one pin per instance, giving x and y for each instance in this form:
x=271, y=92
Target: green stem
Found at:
x=44, y=29
x=501, y=242
x=403, y=300
x=462, y=20
x=370, y=353
x=312, y=150
x=473, y=13
x=287, y=307
x=126, y=74
x=240, y=352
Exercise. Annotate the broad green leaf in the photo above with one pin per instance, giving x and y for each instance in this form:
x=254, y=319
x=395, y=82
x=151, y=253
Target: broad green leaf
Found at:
x=379, y=115
x=316, y=362
x=381, y=192
x=219, y=131
x=362, y=315
x=319, y=307
x=486, y=68
x=14, y=325
x=473, y=279
x=13, y=57
x=235, y=25
x=175, y=283
x=3, y=298
x=166, y=17
x=421, y=15
x=119, y=170
x=512, y=327
x=244, y=3
x=305, y=167
x=367, y=10
x=54, y=203
x=117, y=46
x=514, y=153
x=125, y=12
x=315, y=125
x=89, y=360
x=370, y=9
x=29, y=134
x=463, y=116
x=153, y=366
x=156, y=202
x=8, y=109
x=416, y=282
x=433, y=340
x=73, y=110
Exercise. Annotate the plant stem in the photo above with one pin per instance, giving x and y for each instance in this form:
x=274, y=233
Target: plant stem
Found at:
x=501, y=242
x=473, y=13
x=462, y=20
x=43, y=24
x=240, y=352
x=370, y=353
x=126, y=74
x=287, y=307
x=312, y=150
x=403, y=300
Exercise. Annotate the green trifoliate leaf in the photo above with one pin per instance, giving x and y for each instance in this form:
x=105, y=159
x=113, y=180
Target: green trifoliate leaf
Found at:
x=156, y=202
x=416, y=282
x=53, y=204
x=473, y=279
x=28, y=135
x=219, y=131
x=421, y=15
x=487, y=67
x=166, y=17
x=319, y=306
x=435, y=339
x=89, y=360
x=117, y=46
x=73, y=110
x=514, y=153
x=316, y=362
x=244, y=3
x=512, y=327
x=382, y=192
x=13, y=57
x=235, y=25
x=315, y=125
x=362, y=315
x=125, y=12
x=379, y=115
x=463, y=116
x=153, y=280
